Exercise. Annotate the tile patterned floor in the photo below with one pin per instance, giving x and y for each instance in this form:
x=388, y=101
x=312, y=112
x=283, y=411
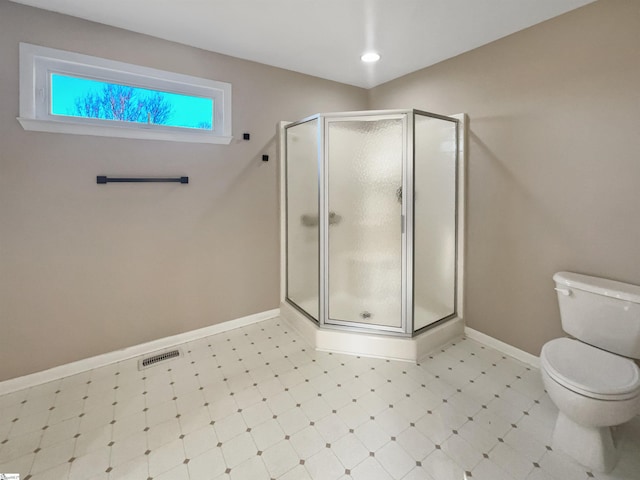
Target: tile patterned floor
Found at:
x=257, y=403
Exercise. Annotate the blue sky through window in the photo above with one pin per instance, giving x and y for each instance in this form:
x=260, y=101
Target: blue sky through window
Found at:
x=77, y=96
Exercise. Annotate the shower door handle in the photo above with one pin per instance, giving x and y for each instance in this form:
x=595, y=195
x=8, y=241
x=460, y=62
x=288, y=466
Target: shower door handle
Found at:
x=401, y=223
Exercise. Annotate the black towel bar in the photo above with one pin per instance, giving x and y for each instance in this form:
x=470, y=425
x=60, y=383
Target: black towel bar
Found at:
x=104, y=179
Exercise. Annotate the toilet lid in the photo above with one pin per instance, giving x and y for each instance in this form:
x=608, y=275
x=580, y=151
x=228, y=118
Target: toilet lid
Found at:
x=590, y=371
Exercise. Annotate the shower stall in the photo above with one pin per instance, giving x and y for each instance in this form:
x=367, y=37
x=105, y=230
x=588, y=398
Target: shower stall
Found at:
x=372, y=220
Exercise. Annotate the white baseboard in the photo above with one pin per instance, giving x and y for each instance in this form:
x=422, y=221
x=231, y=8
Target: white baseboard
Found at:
x=503, y=347
x=90, y=363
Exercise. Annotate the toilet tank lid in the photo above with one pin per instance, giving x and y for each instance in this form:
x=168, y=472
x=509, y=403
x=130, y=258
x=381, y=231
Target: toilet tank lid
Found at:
x=600, y=286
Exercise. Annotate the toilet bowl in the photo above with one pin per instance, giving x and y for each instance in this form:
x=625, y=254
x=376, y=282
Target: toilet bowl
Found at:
x=594, y=390
x=592, y=378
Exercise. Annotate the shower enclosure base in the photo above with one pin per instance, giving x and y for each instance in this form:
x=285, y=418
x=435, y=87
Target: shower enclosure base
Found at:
x=409, y=349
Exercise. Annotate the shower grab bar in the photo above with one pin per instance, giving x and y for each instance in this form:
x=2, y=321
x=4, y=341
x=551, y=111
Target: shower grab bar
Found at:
x=101, y=179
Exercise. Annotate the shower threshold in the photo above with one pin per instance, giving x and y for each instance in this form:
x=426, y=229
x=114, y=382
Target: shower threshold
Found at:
x=409, y=349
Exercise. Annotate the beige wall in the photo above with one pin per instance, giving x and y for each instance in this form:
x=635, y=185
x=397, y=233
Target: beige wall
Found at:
x=554, y=164
x=86, y=268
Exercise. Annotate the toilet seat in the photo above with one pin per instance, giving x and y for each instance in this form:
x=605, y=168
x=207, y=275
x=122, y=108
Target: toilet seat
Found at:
x=590, y=371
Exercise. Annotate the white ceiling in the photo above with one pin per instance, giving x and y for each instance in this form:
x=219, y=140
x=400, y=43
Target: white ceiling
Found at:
x=324, y=38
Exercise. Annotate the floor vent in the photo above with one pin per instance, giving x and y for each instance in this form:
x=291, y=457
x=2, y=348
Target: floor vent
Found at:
x=160, y=357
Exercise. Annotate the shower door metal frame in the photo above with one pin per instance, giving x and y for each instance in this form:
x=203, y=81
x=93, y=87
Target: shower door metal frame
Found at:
x=405, y=277
x=319, y=157
x=457, y=226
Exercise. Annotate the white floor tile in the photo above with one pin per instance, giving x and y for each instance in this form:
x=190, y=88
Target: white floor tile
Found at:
x=252, y=468
x=194, y=419
x=128, y=426
x=316, y=408
x=492, y=423
x=415, y=443
x=55, y=473
x=185, y=402
x=331, y=428
x=349, y=450
x=267, y=434
x=337, y=397
x=561, y=467
x=256, y=414
x=372, y=403
x=93, y=440
x=441, y=467
x=281, y=402
x=129, y=448
x=166, y=457
x=539, y=474
x=280, y=458
x=18, y=446
x=222, y=407
x=372, y=435
x=411, y=408
x=352, y=415
x=230, y=427
x=30, y=423
x=324, y=466
x=92, y=464
x=296, y=473
x=293, y=420
x=161, y=413
x=95, y=418
x=199, y=441
x=462, y=452
x=238, y=450
x=65, y=411
x=163, y=433
x=52, y=456
x=511, y=461
x=307, y=442
x=370, y=469
x=482, y=440
x=18, y=464
x=525, y=444
x=179, y=472
x=208, y=464
x=395, y=460
x=487, y=470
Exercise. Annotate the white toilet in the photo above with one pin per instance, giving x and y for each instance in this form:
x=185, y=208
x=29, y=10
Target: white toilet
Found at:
x=592, y=379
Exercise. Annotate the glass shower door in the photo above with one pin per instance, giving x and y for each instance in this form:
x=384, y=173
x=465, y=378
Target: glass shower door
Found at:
x=434, y=226
x=303, y=217
x=364, y=236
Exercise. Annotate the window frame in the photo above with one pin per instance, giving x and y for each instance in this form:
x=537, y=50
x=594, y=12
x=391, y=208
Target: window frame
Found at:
x=37, y=63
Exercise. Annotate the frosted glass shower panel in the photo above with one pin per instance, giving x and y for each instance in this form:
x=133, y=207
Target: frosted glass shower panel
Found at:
x=365, y=173
x=303, y=219
x=434, y=281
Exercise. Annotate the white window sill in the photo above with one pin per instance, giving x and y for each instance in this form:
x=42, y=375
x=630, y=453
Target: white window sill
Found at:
x=52, y=126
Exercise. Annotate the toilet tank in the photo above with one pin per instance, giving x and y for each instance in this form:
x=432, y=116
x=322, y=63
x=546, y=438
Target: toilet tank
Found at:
x=603, y=313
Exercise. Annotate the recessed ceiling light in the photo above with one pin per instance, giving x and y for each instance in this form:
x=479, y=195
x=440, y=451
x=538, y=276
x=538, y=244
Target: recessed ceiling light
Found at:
x=370, y=57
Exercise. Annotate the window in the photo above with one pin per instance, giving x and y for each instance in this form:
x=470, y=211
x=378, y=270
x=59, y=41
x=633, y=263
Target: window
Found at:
x=68, y=92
